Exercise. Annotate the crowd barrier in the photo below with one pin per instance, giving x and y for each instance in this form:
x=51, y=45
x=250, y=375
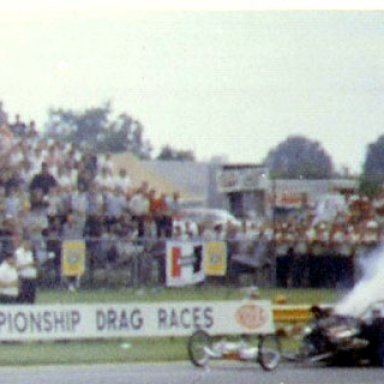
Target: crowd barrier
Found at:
x=291, y=313
x=116, y=320
x=136, y=319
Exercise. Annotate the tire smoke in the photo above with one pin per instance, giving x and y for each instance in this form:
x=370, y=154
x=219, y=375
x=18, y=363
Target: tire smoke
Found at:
x=369, y=288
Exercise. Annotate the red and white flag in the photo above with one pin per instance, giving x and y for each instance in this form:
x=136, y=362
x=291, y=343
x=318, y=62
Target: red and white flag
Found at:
x=184, y=264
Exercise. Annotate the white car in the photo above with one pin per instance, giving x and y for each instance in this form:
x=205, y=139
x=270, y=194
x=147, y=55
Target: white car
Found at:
x=211, y=216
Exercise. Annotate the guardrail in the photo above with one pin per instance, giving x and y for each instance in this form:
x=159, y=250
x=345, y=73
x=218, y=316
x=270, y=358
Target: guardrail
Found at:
x=291, y=313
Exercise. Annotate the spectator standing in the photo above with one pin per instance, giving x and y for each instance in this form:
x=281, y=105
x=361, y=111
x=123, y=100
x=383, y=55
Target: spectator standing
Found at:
x=84, y=177
x=9, y=280
x=78, y=204
x=35, y=225
x=43, y=180
x=190, y=229
x=123, y=181
x=262, y=260
x=104, y=161
x=207, y=232
x=53, y=239
x=27, y=270
x=300, y=271
x=244, y=240
x=322, y=271
x=158, y=210
x=220, y=232
x=16, y=155
x=283, y=250
x=139, y=208
x=8, y=234
x=6, y=138
x=37, y=159
x=3, y=116
x=53, y=158
x=174, y=207
x=18, y=127
x=94, y=210
x=104, y=180
x=10, y=178
x=115, y=206
x=93, y=229
x=31, y=132
x=64, y=177
x=14, y=202
x=179, y=234
x=26, y=173
x=89, y=160
x=342, y=249
x=56, y=205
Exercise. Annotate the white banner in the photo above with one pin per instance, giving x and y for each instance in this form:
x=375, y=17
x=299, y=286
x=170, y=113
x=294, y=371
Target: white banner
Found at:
x=95, y=321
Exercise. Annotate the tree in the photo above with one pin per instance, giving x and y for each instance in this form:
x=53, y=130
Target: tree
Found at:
x=299, y=157
x=95, y=128
x=169, y=153
x=372, y=178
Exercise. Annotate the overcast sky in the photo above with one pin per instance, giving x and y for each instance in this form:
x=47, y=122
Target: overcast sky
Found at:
x=232, y=83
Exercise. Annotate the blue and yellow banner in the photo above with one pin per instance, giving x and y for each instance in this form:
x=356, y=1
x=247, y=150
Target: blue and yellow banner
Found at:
x=215, y=258
x=73, y=258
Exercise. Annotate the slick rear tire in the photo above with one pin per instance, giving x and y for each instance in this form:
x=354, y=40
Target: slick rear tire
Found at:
x=269, y=355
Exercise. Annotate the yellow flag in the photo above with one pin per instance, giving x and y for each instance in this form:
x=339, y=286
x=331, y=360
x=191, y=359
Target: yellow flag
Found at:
x=215, y=258
x=73, y=258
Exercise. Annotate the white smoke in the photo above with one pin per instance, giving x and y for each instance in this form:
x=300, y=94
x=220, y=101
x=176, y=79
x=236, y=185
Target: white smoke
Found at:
x=369, y=289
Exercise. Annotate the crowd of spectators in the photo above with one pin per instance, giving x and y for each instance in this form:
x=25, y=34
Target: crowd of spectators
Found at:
x=51, y=191
x=307, y=246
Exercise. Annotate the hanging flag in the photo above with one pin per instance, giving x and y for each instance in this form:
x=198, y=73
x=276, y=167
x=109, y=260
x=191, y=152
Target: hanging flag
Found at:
x=184, y=264
x=215, y=258
x=73, y=258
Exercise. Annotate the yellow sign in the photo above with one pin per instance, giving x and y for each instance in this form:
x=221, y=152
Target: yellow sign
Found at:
x=215, y=259
x=73, y=258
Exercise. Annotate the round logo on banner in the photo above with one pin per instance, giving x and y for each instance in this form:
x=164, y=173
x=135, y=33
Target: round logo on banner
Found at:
x=73, y=258
x=251, y=316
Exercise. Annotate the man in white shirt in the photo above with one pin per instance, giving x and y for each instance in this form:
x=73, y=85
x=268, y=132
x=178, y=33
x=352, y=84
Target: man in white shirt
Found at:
x=104, y=180
x=27, y=270
x=9, y=280
x=115, y=206
x=105, y=161
x=123, y=181
x=139, y=208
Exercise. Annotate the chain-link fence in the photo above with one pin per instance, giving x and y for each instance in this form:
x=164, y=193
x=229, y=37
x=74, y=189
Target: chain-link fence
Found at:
x=112, y=262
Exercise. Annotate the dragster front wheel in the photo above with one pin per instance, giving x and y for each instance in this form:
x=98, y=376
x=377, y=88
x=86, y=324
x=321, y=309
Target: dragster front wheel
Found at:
x=198, y=345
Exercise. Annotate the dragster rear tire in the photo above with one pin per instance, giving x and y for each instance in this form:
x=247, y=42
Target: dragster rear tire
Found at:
x=269, y=355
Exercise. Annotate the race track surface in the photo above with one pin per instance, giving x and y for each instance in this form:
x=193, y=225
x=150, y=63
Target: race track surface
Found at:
x=184, y=373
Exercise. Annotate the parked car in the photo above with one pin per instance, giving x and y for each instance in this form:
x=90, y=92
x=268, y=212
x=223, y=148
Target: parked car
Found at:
x=209, y=215
x=205, y=216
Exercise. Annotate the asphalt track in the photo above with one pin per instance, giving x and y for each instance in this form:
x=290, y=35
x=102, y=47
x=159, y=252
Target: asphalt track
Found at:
x=184, y=373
